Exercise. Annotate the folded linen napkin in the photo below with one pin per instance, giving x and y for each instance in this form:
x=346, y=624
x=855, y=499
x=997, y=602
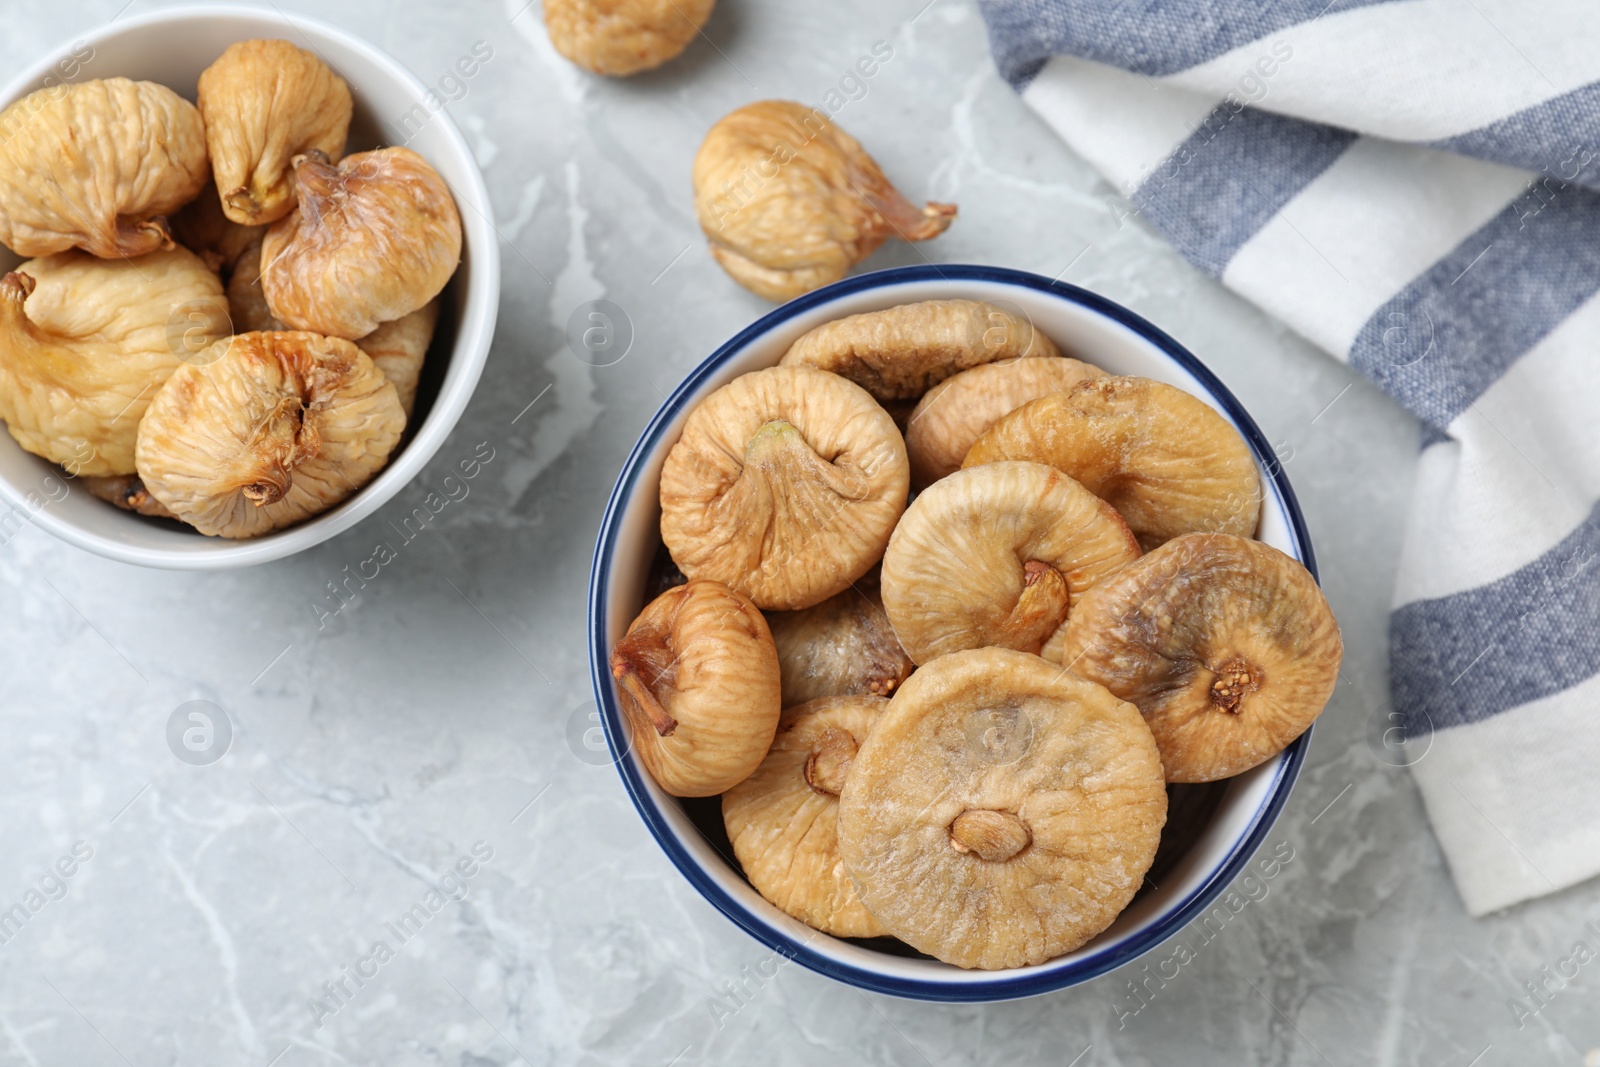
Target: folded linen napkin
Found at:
x=1410, y=185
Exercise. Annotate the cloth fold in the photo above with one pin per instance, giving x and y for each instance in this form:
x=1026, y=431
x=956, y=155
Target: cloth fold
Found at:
x=1412, y=186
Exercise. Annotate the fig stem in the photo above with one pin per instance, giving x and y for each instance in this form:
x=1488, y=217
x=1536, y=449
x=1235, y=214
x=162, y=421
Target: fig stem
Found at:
x=829, y=762
x=636, y=692
x=1040, y=609
x=995, y=836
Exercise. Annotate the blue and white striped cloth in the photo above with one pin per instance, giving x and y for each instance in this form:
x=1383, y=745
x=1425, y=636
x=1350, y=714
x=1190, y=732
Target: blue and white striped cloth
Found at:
x=1413, y=185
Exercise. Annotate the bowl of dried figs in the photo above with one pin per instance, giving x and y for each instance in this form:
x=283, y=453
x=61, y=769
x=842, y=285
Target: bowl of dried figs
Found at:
x=248, y=284
x=956, y=633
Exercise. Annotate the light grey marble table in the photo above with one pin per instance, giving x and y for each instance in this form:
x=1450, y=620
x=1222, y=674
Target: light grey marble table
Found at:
x=427, y=724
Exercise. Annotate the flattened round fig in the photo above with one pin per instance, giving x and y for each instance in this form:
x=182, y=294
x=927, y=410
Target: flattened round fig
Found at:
x=1003, y=811
x=622, y=37
x=785, y=484
x=1164, y=459
x=955, y=413
x=1226, y=645
x=997, y=555
x=902, y=352
x=790, y=202
x=783, y=820
x=697, y=676
x=843, y=646
x=266, y=429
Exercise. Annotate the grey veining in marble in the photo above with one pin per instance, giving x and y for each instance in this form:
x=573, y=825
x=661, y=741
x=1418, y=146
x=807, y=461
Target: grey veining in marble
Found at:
x=225, y=913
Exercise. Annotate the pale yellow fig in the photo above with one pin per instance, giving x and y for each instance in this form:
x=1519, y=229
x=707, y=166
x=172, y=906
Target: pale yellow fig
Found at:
x=697, y=676
x=622, y=37
x=997, y=555
x=955, y=413
x=96, y=165
x=86, y=343
x=843, y=646
x=267, y=429
x=783, y=819
x=1163, y=458
x=1002, y=811
x=376, y=237
x=127, y=492
x=900, y=353
x=790, y=202
x=399, y=347
x=1226, y=645
x=265, y=102
x=785, y=485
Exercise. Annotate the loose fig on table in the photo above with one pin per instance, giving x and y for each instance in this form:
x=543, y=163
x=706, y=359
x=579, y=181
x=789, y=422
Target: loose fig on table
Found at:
x=623, y=37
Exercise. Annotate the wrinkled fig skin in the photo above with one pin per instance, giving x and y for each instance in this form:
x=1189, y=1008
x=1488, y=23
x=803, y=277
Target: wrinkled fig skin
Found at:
x=790, y=202
x=399, y=347
x=843, y=646
x=623, y=37
x=697, y=677
x=95, y=165
x=785, y=484
x=1226, y=645
x=202, y=228
x=1164, y=459
x=783, y=819
x=264, y=103
x=997, y=555
x=955, y=413
x=900, y=353
x=266, y=430
x=127, y=492
x=376, y=238
x=85, y=343
x=1002, y=811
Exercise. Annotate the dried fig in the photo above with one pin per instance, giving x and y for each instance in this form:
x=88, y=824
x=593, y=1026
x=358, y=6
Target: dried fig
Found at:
x=957, y=411
x=265, y=102
x=127, y=492
x=202, y=228
x=997, y=555
x=697, y=676
x=1164, y=459
x=376, y=237
x=622, y=37
x=791, y=202
x=94, y=165
x=247, y=302
x=265, y=430
x=783, y=819
x=843, y=646
x=85, y=343
x=785, y=485
x=1002, y=811
x=399, y=347
x=1226, y=645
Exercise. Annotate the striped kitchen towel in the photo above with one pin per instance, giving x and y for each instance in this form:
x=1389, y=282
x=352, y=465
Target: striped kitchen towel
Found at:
x=1413, y=185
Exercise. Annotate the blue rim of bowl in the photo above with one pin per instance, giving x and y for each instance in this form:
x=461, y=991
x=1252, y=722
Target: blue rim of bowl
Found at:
x=1006, y=985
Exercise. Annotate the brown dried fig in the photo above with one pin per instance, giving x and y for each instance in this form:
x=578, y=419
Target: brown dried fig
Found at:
x=622, y=37
x=376, y=238
x=127, y=492
x=997, y=555
x=265, y=102
x=791, y=202
x=783, y=819
x=900, y=353
x=85, y=343
x=94, y=165
x=265, y=430
x=202, y=228
x=785, y=484
x=1164, y=459
x=960, y=409
x=1002, y=811
x=843, y=646
x=697, y=676
x=399, y=347
x=1226, y=645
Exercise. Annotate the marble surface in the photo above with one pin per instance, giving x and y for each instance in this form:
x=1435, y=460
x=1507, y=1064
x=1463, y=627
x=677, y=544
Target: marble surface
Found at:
x=430, y=723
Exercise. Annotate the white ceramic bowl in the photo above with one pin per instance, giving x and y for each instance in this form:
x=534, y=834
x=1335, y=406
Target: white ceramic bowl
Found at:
x=1212, y=831
x=173, y=47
